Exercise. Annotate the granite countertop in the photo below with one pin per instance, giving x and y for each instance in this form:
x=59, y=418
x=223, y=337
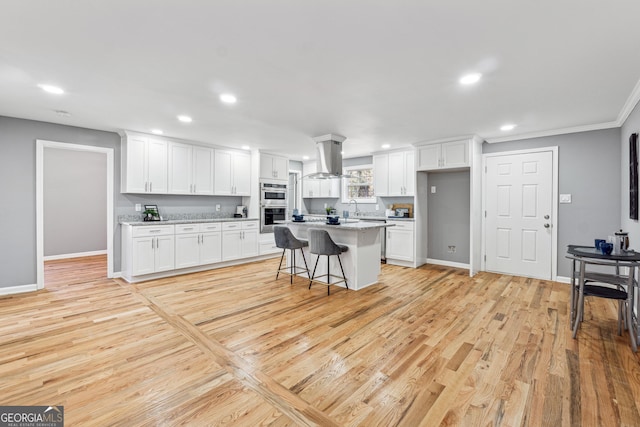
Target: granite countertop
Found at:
x=349, y=224
x=363, y=217
x=185, y=221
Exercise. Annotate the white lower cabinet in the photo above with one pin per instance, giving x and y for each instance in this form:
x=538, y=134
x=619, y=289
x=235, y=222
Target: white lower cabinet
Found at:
x=239, y=239
x=198, y=244
x=152, y=249
x=149, y=249
x=400, y=241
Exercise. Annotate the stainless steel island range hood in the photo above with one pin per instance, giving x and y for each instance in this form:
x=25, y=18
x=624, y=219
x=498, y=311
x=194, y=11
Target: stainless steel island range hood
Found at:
x=329, y=157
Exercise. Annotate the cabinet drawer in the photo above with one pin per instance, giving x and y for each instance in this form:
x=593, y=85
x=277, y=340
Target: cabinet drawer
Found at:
x=231, y=226
x=187, y=228
x=249, y=225
x=148, y=230
x=401, y=225
x=210, y=226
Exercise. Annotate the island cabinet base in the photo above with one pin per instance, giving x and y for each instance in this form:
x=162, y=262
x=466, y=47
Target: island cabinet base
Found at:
x=361, y=262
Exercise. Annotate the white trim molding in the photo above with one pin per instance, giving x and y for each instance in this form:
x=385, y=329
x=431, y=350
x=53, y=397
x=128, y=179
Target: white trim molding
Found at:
x=448, y=263
x=74, y=255
x=40, y=146
x=10, y=290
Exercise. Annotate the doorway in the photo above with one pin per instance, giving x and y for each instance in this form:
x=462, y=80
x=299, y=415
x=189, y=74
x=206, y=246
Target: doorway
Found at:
x=41, y=145
x=520, y=213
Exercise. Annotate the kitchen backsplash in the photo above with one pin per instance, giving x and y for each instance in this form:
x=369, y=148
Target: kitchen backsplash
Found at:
x=178, y=216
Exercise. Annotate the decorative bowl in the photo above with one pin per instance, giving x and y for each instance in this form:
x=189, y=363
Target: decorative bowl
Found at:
x=606, y=248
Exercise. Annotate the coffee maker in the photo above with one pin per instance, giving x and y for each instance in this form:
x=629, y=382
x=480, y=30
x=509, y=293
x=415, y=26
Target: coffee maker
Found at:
x=241, y=211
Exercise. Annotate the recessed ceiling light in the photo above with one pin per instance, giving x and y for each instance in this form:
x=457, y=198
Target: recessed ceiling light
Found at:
x=51, y=89
x=185, y=119
x=157, y=131
x=246, y=147
x=228, y=98
x=386, y=145
x=63, y=113
x=507, y=127
x=342, y=152
x=305, y=157
x=470, y=79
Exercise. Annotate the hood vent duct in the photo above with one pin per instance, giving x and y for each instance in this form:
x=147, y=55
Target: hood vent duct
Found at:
x=329, y=157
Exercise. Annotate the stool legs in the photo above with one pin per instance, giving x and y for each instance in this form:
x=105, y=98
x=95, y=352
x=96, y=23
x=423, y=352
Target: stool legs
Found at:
x=280, y=265
x=328, y=273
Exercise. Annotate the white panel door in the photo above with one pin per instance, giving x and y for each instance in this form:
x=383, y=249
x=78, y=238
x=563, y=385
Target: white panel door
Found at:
x=165, y=253
x=210, y=247
x=157, y=166
x=396, y=174
x=143, y=252
x=187, y=250
x=202, y=170
x=381, y=174
x=519, y=205
x=242, y=174
x=222, y=180
x=180, y=168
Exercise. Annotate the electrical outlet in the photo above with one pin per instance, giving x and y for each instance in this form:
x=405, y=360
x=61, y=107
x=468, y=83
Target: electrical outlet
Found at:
x=433, y=189
x=377, y=207
x=325, y=206
x=138, y=207
x=452, y=249
x=217, y=208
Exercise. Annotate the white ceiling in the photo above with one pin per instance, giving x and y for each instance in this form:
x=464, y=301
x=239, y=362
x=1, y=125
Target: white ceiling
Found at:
x=374, y=71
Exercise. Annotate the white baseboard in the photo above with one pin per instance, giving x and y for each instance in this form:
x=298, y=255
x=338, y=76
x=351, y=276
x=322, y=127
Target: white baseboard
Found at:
x=18, y=289
x=116, y=275
x=563, y=279
x=74, y=255
x=447, y=263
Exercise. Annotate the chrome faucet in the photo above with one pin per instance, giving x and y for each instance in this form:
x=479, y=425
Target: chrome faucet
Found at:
x=357, y=212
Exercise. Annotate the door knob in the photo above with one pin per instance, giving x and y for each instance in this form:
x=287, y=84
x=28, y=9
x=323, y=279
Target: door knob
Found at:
x=546, y=217
x=547, y=225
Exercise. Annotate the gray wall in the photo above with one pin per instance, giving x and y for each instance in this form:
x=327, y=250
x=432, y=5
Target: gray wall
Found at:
x=75, y=201
x=18, y=187
x=589, y=169
x=631, y=125
x=448, y=220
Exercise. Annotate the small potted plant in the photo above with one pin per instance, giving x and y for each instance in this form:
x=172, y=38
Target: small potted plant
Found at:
x=149, y=215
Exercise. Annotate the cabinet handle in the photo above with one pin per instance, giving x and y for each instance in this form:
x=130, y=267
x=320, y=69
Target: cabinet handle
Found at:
x=194, y=188
x=157, y=243
x=154, y=231
x=146, y=186
x=202, y=239
x=150, y=187
x=152, y=244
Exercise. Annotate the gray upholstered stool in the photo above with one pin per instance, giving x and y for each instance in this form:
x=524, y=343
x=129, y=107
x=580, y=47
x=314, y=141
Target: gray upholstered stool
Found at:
x=320, y=243
x=286, y=240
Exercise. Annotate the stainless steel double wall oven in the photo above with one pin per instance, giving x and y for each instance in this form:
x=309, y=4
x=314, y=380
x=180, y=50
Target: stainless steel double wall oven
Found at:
x=273, y=204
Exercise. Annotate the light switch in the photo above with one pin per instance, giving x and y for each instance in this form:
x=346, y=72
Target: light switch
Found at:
x=217, y=208
x=138, y=207
x=565, y=198
x=433, y=189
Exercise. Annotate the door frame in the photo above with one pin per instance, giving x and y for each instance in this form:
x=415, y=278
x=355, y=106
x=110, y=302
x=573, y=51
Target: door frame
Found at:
x=554, y=203
x=40, y=146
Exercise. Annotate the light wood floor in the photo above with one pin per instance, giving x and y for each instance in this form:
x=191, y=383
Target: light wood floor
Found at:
x=232, y=346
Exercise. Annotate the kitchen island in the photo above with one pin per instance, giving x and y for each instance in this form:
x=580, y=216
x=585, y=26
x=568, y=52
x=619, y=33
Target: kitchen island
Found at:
x=361, y=262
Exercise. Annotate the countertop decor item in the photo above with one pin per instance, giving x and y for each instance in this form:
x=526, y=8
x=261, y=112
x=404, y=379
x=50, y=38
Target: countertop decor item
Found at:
x=151, y=213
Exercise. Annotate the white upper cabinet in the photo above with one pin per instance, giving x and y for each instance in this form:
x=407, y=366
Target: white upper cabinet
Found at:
x=394, y=173
x=273, y=167
x=446, y=155
x=144, y=165
x=202, y=163
x=190, y=169
x=232, y=173
x=319, y=188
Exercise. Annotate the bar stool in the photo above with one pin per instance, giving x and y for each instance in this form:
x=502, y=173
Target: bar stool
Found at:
x=286, y=240
x=320, y=243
